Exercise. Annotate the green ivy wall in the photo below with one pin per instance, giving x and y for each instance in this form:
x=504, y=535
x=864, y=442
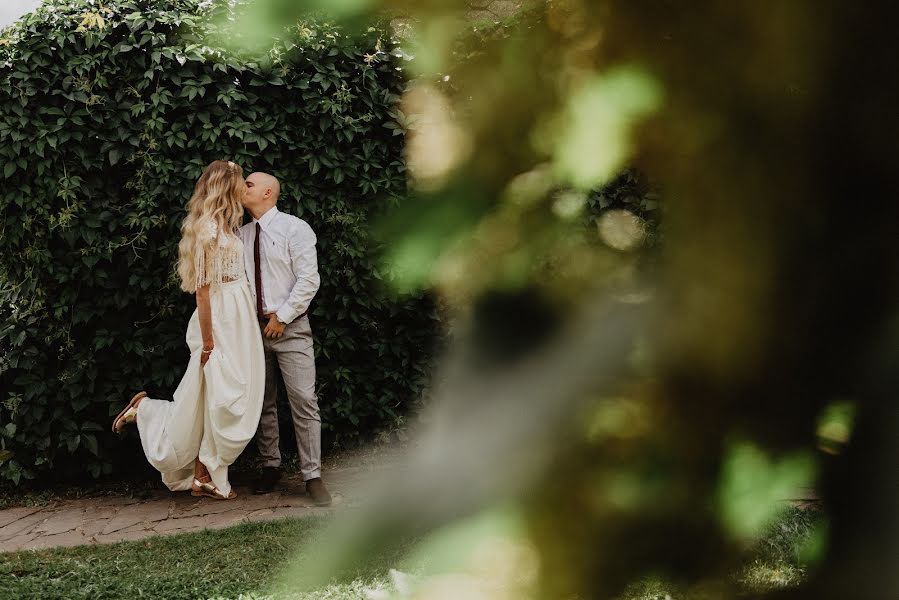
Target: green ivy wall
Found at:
x=107, y=117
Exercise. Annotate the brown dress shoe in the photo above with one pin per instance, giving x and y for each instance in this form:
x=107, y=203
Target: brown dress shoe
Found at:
x=316, y=490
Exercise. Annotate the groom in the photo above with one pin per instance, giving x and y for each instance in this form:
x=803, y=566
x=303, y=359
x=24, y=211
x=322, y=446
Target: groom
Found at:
x=280, y=259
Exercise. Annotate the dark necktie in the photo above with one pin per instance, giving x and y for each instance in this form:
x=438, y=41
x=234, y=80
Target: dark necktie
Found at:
x=258, y=269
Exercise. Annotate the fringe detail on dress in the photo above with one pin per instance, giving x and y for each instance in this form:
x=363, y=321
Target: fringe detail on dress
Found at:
x=219, y=261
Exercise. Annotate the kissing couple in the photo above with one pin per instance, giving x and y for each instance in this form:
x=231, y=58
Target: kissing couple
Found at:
x=253, y=286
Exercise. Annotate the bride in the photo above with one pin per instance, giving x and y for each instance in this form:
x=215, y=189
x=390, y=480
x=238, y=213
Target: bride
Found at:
x=217, y=405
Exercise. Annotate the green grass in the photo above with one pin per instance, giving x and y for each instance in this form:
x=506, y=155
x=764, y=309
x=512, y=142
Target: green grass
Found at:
x=778, y=560
x=781, y=557
x=241, y=563
x=225, y=563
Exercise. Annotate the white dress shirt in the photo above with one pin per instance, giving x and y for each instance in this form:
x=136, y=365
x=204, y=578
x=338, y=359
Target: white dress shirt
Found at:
x=289, y=263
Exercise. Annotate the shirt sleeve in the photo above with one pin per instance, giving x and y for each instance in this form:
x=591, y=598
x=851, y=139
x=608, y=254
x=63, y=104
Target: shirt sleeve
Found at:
x=304, y=262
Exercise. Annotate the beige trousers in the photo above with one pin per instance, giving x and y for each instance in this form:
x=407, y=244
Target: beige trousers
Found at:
x=292, y=355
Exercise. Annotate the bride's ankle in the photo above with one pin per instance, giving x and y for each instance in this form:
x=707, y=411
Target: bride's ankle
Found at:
x=201, y=472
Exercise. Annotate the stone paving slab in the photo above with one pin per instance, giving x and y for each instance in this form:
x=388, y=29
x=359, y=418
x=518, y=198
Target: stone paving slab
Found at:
x=14, y=514
x=109, y=520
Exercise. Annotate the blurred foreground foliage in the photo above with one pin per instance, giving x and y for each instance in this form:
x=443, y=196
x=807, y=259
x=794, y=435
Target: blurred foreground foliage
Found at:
x=597, y=421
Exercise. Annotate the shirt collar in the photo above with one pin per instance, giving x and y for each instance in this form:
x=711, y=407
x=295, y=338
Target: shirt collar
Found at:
x=266, y=219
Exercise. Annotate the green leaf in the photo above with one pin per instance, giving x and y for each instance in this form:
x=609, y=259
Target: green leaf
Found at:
x=90, y=442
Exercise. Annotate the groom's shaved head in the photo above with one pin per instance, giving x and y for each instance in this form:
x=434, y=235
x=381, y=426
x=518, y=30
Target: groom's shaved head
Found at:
x=262, y=193
x=265, y=181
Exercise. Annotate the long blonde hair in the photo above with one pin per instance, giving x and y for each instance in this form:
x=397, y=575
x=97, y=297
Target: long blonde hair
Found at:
x=216, y=201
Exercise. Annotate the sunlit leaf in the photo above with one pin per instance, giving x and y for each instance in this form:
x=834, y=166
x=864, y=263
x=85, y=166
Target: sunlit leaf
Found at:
x=754, y=486
x=593, y=139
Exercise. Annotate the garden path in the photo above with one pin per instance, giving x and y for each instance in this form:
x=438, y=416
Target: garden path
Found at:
x=108, y=519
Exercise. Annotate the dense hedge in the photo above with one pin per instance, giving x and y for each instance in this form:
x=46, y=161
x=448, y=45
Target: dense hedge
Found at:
x=107, y=117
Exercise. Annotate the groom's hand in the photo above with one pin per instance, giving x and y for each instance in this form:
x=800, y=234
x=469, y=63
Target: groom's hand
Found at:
x=274, y=329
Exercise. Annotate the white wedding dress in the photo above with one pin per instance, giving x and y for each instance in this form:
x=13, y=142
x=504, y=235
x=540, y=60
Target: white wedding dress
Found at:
x=217, y=407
